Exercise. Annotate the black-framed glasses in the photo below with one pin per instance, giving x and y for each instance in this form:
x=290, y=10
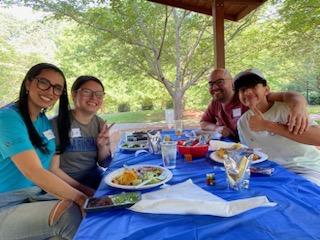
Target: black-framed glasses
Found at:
x=44, y=84
x=85, y=92
x=220, y=82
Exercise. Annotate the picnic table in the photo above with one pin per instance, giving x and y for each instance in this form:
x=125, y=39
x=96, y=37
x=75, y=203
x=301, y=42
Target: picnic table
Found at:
x=296, y=215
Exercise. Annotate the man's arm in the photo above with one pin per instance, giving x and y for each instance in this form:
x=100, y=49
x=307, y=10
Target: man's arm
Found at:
x=298, y=116
x=208, y=120
x=258, y=123
x=311, y=136
x=208, y=126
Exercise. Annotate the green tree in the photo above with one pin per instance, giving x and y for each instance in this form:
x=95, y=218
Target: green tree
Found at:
x=300, y=35
x=14, y=62
x=174, y=49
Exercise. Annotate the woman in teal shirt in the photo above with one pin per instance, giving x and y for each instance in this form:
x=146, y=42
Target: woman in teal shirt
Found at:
x=27, y=146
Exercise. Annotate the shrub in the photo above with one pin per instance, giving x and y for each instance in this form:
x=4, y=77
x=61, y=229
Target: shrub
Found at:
x=124, y=107
x=314, y=98
x=169, y=104
x=147, y=104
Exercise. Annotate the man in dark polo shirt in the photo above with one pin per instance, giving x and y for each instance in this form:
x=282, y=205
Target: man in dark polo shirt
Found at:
x=225, y=109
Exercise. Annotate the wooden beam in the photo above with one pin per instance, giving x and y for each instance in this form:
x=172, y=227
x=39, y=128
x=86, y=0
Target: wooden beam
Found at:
x=245, y=2
x=185, y=5
x=245, y=12
x=218, y=29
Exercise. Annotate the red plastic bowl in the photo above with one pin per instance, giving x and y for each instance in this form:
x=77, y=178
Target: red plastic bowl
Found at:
x=194, y=151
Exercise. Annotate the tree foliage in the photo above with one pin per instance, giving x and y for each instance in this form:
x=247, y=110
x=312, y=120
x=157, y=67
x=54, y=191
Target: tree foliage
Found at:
x=14, y=61
x=174, y=49
x=143, y=50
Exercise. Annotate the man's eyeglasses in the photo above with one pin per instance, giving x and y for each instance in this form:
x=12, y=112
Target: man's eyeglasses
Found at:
x=44, y=84
x=219, y=83
x=85, y=92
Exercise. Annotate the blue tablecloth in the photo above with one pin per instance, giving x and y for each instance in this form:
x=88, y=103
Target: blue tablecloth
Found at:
x=297, y=215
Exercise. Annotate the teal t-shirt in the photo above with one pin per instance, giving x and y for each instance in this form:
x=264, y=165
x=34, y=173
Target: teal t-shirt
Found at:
x=14, y=139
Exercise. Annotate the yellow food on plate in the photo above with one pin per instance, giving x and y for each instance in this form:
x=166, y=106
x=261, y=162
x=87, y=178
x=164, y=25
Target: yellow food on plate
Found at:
x=255, y=157
x=221, y=152
x=236, y=146
x=129, y=177
x=224, y=151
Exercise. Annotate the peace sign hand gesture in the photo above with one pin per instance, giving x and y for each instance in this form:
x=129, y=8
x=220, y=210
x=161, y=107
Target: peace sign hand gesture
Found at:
x=103, y=139
x=257, y=122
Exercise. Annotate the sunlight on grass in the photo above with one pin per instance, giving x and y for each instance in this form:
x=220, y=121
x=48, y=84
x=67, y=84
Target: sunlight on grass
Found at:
x=135, y=117
x=158, y=115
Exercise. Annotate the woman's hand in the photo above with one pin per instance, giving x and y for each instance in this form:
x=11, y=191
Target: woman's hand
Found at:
x=86, y=190
x=103, y=139
x=103, y=145
x=80, y=200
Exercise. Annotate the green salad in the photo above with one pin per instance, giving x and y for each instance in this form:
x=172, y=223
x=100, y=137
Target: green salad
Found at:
x=123, y=198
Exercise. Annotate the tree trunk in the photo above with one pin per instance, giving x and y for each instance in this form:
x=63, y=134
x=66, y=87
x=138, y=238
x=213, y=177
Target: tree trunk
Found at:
x=178, y=105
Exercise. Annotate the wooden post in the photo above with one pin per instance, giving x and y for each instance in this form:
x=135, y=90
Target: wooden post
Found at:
x=218, y=30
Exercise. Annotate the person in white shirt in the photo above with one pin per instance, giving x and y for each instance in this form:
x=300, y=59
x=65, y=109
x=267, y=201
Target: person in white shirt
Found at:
x=265, y=126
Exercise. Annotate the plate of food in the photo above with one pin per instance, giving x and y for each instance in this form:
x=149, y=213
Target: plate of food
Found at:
x=232, y=149
x=134, y=146
x=136, y=136
x=138, y=177
x=121, y=200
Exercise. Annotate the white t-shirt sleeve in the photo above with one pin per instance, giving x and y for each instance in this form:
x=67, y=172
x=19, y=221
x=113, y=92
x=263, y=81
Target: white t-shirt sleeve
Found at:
x=243, y=129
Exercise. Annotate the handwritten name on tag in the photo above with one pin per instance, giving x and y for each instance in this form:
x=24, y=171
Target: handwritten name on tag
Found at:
x=48, y=134
x=75, y=132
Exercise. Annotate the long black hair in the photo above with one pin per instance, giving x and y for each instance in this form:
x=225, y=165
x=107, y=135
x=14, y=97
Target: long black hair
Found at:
x=63, y=117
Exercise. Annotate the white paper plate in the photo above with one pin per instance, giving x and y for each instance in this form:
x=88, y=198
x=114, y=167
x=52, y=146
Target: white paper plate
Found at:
x=112, y=175
x=262, y=156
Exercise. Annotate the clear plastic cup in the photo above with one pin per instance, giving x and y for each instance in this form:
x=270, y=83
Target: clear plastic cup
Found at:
x=178, y=127
x=169, y=115
x=169, y=154
x=238, y=172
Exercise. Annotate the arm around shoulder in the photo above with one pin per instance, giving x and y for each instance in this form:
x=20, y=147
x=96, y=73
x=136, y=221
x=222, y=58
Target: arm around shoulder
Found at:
x=298, y=115
x=311, y=136
x=291, y=98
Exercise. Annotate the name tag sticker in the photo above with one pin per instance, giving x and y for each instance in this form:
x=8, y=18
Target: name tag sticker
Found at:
x=48, y=134
x=75, y=132
x=236, y=112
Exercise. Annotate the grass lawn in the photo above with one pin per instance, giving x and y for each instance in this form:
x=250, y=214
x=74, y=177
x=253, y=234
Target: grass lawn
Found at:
x=135, y=117
x=158, y=115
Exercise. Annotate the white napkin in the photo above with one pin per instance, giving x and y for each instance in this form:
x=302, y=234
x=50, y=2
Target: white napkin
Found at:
x=188, y=198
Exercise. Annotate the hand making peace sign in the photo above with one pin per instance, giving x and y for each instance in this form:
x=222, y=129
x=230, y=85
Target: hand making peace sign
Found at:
x=257, y=122
x=103, y=136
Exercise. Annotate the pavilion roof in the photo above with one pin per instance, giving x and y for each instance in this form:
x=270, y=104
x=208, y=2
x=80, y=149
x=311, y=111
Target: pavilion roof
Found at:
x=234, y=10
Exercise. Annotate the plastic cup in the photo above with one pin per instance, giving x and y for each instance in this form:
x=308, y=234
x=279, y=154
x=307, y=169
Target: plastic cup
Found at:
x=169, y=154
x=169, y=115
x=178, y=127
x=238, y=173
